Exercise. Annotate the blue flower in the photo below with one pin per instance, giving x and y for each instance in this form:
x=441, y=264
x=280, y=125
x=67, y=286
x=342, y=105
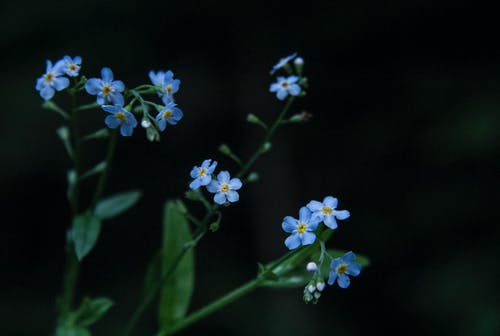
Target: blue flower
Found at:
x=301, y=229
x=202, y=175
x=285, y=86
x=70, y=66
x=120, y=117
x=224, y=188
x=326, y=211
x=282, y=62
x=51, y=81
x=106, y=89
x=168, y=84
x=157, y=78
x=341, y=267
x=169, y=114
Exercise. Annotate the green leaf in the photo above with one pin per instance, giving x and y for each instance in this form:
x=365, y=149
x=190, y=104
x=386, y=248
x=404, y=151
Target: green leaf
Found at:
x=153, y=275
x=64, y=135
x=90, y=311
x=117, y=204
x=72, y=331
x=86, y=229
x=50, y=105
x=102, y=133
x=94, y=170
x=177, y=290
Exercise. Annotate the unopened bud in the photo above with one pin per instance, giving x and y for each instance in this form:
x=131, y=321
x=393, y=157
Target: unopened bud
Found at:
x=265, y=147
x=320, y=286
x=224, y=149
x=311, y=288
x=317, y=295
x=252, y=118
x=253, y=177
x=299, y=64
x=145, y=123
x=311, y=267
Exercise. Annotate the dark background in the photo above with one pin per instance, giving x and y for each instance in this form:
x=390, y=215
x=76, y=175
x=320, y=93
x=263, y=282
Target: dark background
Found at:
x=406, y=101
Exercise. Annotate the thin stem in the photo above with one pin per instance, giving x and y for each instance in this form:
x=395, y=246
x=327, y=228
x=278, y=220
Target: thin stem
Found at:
x=105, y=173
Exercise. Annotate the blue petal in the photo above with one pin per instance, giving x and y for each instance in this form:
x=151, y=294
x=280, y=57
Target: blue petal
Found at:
x=304, y=214
x=60, y=83
x=126, y=130
x=118, y=85
x=235, y=184
x=77, y=60
x=40, y=83
x=349, y=256
x=313, y=223
x=162, y=124
x=195, y=184
x=331, y=202
x=194, y=172
x=331, y=279
x=212, y=167
x=111, y=108
x=213, y=187
x=93, y=86
x=308, y=238
x=274, y=87
x=117, y=99
x=100, y=99
x=131, y=121
x=205, y=180
x=223, y=177
x=314, y=206
x=353, y=269
x=294, y=89
x=341, y=214
x=232, y=196
x=335, y=263
x=107, y=74
x=47, y=92
x=177, y=114
x=330, y=222
x=281, y=94
x=343, y=281
x=111, y=121
x=206, y=163
x=220, y=198
x=292, y=242
x=292, y=79
x=289, y=224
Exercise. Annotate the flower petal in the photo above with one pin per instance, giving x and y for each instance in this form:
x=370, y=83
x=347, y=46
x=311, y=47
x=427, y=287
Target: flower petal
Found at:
x=106, y=74
x=232, y=196
x=293, y=241
x=60, y=83
x=341, y=214
x=281, y=94
x=289, y=224
x=343, y=281
x=111, y=108
x=304, y=214
x=213, y=187
x=308, y=238
x=330, y=222
x=223, y=176
x=294, y=89
x=235, y=184
x=220, y=198
x=353, y=269
x=204, y=180
x=331, y=202
x=118, y=85
x=111, y=121
x=332, y=278
x=47, y=92
x=314, y=206
x=93, y=86
x=195, y=184
x=349, y=256
x=117, y=99
x=194, y=172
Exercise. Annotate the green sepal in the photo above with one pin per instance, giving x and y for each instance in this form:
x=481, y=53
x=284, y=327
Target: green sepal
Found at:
x=117, y=204
x=85, y=231
x=64, y=134
x=178, y=288
x=72, y=179
x=51, y=106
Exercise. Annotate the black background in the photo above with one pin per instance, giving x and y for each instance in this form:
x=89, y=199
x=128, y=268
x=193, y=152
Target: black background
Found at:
x=406, y=101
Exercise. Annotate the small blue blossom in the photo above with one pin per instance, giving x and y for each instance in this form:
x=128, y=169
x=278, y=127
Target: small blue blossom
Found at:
x=301, y=229
x=285, y=86
x=282, y=62
x=120, y=117
x=168, y=84
x=326, y=211
x=106, y=89
x=341, y=267
x=157, y=78
x=202, y=175
x=169, y=114
x=51, y=81
x=71, y=66
x=225, y=188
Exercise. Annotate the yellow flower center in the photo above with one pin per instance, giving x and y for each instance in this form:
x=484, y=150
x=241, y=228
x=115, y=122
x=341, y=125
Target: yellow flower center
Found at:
x=224, y=187
x=202, y=172
x=106, y=90
x=72, y=67
x=167, y=114
x=168, y=89
x=49, y=77
x=301, y=228
x=341, y=268
x=121, y=116
x=327, y=210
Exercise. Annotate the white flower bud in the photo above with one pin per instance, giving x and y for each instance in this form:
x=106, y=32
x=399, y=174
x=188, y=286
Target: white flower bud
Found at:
x=145, y=123
x=320, y=286
x=298, y=61
x=312, y=267
x=311, y=288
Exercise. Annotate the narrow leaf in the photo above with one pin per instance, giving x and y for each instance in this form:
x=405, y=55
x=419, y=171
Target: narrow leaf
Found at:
x=177, y=290
x=91, y=310
x=117, y=204
x=94, y=170
x=64, y=135
x=103, y=133
x=86, y=229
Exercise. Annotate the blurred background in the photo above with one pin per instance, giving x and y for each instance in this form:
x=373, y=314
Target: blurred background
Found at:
x=405, y=98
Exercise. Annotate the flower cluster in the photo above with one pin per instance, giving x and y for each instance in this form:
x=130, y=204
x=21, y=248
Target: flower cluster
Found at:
x=290, y=85
x=53, y=79
x=224, y=187
x=167, y=86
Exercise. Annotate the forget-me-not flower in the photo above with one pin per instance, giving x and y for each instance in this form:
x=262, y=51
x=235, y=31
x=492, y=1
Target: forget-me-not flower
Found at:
x=326, y=211
x=120, y=117
x=71, y=66
x=285, y=86
x=169, y=114
x=301, y=229
x=51, y=81
x=282, y=62
x=202, y=175
x=225, y=188
x=106, y=89
x=342, y=267
x=168, y=84
x=157, y=78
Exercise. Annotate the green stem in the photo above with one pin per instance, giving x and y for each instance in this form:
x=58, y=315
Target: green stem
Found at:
x=268, y=136
x=214, y=306
x=105, y=173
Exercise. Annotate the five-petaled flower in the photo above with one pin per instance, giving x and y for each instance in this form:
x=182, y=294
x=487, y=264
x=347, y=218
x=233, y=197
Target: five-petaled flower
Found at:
x=120, y=117
x=202, y=175
x=225, y=188
x=106, y=89
x=301, y=229
x=51, y=81
x=341, y=268
x=326, y=211
x=168, y=84
x=169, y=114
x=282, y=62
x=71, y=66
x=285, y=86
